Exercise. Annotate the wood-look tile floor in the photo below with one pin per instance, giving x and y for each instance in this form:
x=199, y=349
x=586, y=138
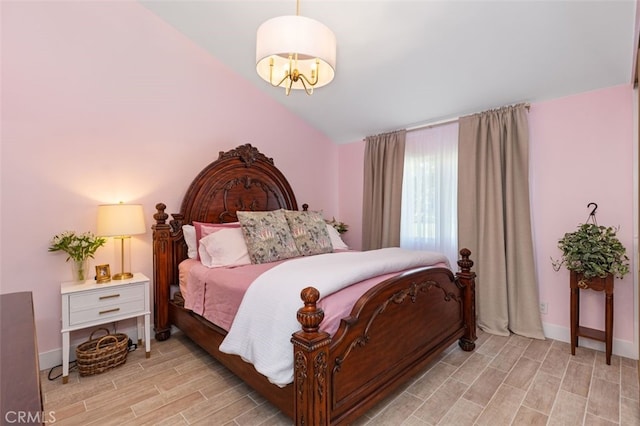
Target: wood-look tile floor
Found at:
x=505, y=381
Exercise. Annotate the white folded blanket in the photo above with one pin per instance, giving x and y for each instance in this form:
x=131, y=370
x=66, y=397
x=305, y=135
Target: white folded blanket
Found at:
x=262, y=329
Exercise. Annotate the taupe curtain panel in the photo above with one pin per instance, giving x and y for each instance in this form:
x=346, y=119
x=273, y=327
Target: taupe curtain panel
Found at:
x=494, y=219
x=382, y=199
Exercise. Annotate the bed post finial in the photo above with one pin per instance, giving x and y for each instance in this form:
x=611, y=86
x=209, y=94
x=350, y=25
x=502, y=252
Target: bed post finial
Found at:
x=161, y=217
x=465, y=263
x=310, y=316
x=310, y=355
x=467, y=279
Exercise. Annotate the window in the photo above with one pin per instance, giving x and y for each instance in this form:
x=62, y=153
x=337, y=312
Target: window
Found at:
x=429, y=191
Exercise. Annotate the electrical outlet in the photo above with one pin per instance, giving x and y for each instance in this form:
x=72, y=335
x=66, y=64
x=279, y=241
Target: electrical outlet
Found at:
x=544, y=307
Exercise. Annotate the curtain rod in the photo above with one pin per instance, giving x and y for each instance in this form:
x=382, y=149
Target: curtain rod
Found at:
x=443, y=122
x=434, y=124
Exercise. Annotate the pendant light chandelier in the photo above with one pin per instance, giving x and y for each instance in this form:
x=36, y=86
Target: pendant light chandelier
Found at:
x=295, y=52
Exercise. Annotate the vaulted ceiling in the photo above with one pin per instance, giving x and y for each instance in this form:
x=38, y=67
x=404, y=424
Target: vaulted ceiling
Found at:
x=405, y=63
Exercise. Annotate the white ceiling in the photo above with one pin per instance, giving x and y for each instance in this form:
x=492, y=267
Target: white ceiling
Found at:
x=405, y=63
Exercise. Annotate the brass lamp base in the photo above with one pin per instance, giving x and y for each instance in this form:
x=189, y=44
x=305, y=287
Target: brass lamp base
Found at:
x=122, y=276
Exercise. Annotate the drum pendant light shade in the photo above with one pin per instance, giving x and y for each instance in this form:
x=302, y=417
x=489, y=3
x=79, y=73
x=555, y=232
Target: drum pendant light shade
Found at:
x=295, y=52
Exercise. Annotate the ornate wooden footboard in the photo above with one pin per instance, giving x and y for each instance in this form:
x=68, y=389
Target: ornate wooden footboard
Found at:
x=394, y=329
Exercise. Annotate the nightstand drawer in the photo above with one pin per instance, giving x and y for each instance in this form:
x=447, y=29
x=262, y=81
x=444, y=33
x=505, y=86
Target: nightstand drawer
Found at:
x=105, y=303
x=103, y=313
x=98, y=299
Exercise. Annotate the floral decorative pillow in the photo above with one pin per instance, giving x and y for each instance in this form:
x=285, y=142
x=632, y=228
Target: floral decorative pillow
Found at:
x=267, y=236
x=309, y=231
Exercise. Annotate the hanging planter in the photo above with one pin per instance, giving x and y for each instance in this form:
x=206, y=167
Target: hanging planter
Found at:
x=592, y=251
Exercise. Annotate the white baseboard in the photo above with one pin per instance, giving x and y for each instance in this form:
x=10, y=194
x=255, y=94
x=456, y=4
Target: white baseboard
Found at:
x=53, y=358
x=623, y=348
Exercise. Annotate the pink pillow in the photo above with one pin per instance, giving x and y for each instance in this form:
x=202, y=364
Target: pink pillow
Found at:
x=203, y=229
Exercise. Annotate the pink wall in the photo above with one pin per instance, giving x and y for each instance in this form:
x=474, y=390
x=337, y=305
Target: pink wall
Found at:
x=581, y=151
x=103, y=102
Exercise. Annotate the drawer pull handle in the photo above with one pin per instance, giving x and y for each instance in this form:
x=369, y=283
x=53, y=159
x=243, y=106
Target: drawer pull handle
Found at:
x=109, y=310
x=109, y=297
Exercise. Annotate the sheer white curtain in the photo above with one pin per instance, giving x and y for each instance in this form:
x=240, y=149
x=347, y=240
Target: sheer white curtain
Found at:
x=430, y=190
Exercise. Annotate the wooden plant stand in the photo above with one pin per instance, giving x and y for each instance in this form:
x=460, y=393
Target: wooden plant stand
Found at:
x=606, y=336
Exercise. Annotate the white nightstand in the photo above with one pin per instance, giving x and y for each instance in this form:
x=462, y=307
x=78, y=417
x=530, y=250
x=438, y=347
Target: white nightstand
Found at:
x=89, y=304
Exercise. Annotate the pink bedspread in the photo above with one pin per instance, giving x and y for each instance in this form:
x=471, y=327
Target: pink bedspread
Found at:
x=216, y=293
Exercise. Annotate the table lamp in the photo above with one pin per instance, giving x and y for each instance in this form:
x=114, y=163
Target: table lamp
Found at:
x=121, y=221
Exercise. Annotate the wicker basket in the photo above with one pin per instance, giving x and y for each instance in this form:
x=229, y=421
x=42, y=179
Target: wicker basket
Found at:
x=100, y=354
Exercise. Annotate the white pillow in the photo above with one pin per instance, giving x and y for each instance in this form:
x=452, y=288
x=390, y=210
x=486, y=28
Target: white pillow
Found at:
x=336, y=240
x=189, y=232
x=225, y=247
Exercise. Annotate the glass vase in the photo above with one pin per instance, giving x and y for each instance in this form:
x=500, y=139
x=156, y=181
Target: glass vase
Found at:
x=80, y=269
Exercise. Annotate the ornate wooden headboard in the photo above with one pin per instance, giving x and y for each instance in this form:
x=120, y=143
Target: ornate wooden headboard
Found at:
x=240, y=179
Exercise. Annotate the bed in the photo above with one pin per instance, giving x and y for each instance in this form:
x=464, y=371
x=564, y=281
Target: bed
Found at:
x=393, y=331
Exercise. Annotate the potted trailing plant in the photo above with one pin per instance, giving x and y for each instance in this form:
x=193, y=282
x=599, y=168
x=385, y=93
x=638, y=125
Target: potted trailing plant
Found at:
x=592, y=251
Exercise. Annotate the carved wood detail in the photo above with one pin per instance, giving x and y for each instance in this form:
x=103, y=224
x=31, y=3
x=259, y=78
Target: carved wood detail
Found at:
x=300, y=367
x=160, y=216
x=247, y=153
x=233, y=204
x=396, y=298
x=161, y=272
x=320, y=366
x=176, y=223
x=311, y=349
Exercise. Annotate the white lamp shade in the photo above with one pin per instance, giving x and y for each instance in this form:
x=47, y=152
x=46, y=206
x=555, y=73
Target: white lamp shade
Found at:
x=120, y=220
x=286, y=35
